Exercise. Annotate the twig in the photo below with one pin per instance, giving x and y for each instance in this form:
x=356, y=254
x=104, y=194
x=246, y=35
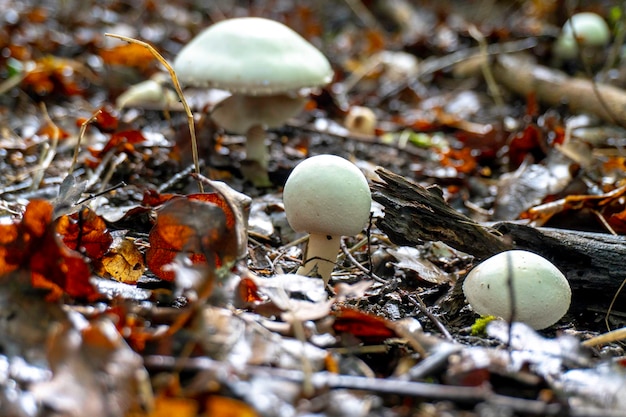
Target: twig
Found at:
x=356, y=263
x=397, y=387
x=486, y=68
x=325, y=380
x=434, y=64
x=99, y=193
x=81, y=134
x=48, y=154
x=175, y=178
x=609, y=337
x=179, y=91
x=419, y=303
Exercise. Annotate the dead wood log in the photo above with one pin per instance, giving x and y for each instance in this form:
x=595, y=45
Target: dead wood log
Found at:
x=415, y=214
x=556, y=88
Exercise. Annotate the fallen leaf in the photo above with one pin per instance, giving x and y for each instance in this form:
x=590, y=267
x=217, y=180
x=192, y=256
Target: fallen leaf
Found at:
x=105, y=120
x=130, y=55
x=85, y=232
x=364, y=326
x=218, y=406
x=123, y=262
x=52, y=74
x=201, y=225
x=33, y=244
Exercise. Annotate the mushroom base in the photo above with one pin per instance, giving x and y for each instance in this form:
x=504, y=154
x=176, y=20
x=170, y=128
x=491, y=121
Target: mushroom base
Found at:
x=321, y=256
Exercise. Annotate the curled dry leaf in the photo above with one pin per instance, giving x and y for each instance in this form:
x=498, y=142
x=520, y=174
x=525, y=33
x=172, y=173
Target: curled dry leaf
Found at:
x=366, y=327
x=123, y=141
x=52, y=74
x=94, y=371
x=130, y=55
x=33, y=244
x=123, y=262
x=85, y=232
x=200, y=225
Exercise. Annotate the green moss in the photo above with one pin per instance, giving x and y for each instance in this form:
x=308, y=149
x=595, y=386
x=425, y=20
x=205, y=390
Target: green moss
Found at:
x=480, y=325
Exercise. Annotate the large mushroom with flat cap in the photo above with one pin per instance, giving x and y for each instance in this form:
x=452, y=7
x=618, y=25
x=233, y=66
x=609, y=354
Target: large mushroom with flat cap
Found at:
x=266, y=66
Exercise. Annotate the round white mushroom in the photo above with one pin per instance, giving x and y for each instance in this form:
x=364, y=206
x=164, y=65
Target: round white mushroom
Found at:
x=542, y=294
x=265, y=65
x=328, y=197
x=361, y=120
x=587, y=29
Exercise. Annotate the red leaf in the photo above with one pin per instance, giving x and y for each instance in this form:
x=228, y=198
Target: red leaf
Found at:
x=33, y=244
x=201, y=225
x=364, y=326
x=86, y=231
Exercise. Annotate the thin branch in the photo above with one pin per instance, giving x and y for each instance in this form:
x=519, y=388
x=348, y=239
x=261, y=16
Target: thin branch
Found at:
x=179, y=91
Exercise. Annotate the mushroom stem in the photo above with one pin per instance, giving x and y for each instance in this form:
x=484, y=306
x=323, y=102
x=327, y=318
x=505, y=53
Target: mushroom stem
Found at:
x=254, y=167
x=255, y=146
x=321, y=256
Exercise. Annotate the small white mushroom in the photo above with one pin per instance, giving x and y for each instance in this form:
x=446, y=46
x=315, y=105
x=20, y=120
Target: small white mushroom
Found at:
x=541, y=292
x=361, y=120
x=265, y=65
x=328, y=197
x=588, y=28
x=152, y=92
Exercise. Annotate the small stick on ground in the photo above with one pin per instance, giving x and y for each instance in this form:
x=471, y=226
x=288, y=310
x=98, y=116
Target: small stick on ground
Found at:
x=356, y=263
x=81, y=134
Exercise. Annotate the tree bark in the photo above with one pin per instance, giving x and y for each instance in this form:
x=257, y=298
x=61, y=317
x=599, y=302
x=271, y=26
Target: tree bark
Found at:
x=593, y=263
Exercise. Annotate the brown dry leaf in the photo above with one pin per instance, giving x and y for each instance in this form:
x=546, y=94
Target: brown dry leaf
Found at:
x=540, y=214
x=123, y=262
x=364, y=326
x=410, y=259
x=131, y=55
x=202, y=226
x=55, y=75
x=123, y=141
x=105, y=120
x=168, y=407
x=86, y=232
x=84, y=382
x=217, y=406
x=33, y=244
x=248, y=291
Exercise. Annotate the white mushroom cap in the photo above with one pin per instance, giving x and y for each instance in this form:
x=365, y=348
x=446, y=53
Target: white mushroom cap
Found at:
x=542, y=294
x=254, y=56
x=590, y=29
x=327, y=195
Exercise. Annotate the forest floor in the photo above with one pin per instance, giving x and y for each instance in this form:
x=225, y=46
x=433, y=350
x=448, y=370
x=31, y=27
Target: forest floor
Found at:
x=130, y=286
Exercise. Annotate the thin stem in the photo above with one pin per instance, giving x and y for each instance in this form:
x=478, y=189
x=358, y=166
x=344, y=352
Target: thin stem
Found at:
x=321, y=255
x=255, y=146
x=179, y=91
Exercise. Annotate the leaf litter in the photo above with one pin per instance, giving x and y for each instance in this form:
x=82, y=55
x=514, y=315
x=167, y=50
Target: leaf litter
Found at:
x=126, y=292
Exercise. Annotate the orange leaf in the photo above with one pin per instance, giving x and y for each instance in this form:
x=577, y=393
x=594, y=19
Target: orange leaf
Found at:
x=85, y=231
x=123, y=262
x=179, y=407
x=217, y=406
x=201, y=226
x=131, y=55
x=248, y=291
x=364, y=326
x=33, y=244
x=54, y=75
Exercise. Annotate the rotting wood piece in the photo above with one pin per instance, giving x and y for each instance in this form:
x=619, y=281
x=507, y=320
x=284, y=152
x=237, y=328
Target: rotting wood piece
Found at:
x=415, y=214
x=556, y=88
